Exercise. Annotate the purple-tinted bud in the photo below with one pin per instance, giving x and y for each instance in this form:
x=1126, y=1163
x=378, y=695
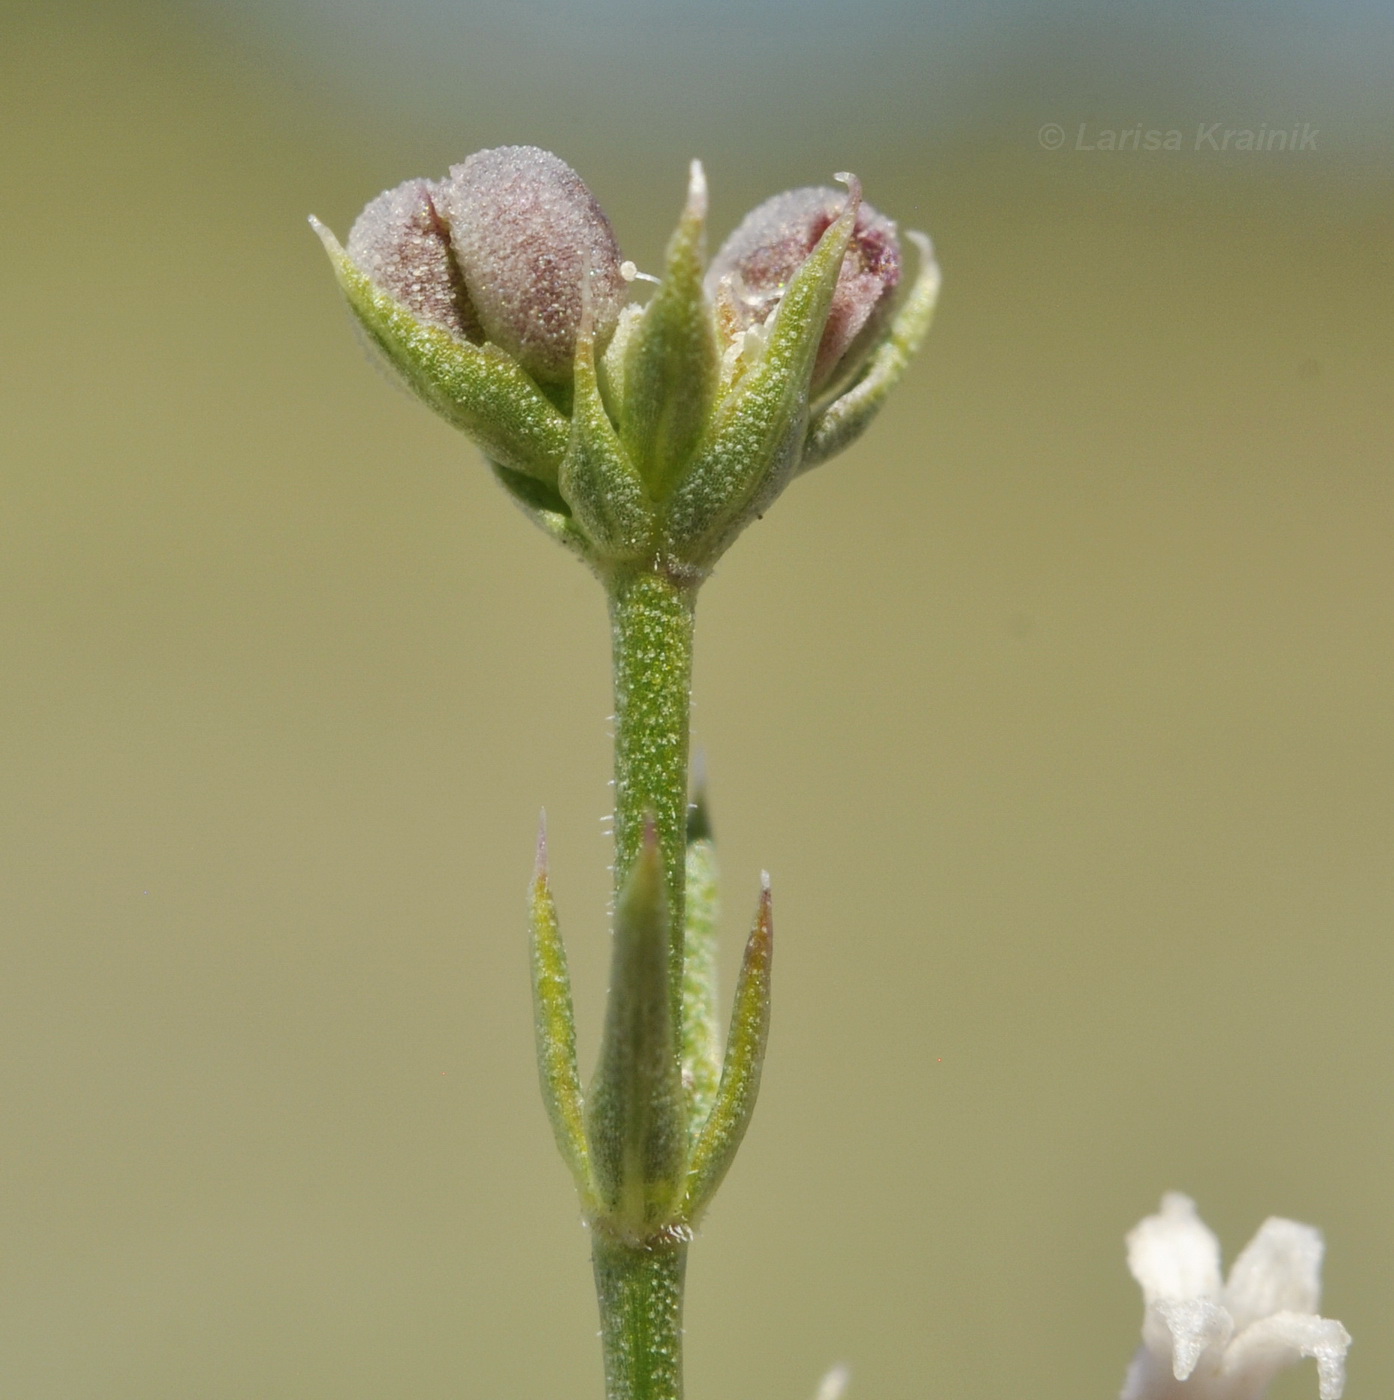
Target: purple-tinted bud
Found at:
x=748, y=276
x=402, y=245
x=524, y=229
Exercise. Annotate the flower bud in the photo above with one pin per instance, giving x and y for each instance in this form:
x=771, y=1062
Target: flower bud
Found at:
x=748, y=276
x=524, y=230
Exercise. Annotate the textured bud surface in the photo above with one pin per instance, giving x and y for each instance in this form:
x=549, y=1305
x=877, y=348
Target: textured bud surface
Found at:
x=524, y=228
x=402, y=245
x=748, y=276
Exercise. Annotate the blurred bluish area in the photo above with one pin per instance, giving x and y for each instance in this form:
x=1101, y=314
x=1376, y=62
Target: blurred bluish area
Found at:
x=779, y=77
x=1058, y=707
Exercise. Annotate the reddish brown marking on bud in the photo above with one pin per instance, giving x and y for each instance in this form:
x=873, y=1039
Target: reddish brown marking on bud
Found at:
x=402, y=245
x=748, y=276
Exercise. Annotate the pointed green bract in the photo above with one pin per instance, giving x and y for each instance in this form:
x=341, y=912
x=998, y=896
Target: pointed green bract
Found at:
x=740, y=1076
x=757, y=429
x=701, y=1034
x=670, y=361
x=635, y=1114
x=556, y=1030
x=598, y=480
x=843, y=421
x=478, y=388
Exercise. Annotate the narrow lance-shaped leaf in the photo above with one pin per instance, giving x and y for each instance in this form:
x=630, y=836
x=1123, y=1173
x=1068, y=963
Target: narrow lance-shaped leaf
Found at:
x=477, y=388
x=758, y=429
x=671, y=359
x=842, y=421
x=740, y=1077
x=556, y=1029
x=701, y=1035
x=635, y=1114
x=598, y=480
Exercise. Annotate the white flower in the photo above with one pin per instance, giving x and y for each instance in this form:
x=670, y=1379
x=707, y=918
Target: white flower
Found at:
x=1204, y=1339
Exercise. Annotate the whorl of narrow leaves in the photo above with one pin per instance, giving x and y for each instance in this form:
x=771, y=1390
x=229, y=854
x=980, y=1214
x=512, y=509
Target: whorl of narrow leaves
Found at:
x=650, y=1141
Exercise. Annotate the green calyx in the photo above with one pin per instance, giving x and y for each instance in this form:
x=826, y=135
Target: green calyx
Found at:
x=477, y=388
x=671, y=359
x=679, y=427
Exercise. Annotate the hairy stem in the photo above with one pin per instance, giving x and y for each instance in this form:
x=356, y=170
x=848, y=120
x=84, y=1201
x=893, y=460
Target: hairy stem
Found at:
x=651, y=620
x=640, y=1290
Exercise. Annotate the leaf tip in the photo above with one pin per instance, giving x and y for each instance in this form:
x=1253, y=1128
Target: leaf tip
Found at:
x=325, y=235
x=854, y=187
x=696, y=191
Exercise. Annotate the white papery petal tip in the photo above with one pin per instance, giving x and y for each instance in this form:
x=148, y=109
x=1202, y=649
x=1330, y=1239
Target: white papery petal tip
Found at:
x=1279, y=1270
x=1173, y=1254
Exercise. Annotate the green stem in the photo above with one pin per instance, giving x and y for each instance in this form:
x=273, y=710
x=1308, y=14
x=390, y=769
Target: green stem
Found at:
x=640, y=1292
x=651, y=620
x=639, y=1283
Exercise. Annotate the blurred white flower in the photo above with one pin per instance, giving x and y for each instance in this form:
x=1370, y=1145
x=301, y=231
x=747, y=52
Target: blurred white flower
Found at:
x=1207, y=1339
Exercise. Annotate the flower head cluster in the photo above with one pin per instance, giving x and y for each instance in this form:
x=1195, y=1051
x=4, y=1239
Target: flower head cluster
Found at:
x=638, y=434
x=1204, y=1338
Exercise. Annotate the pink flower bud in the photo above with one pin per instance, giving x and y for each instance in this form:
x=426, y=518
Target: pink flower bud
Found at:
x=402, y=245
x=748, y=276
x=525, y=229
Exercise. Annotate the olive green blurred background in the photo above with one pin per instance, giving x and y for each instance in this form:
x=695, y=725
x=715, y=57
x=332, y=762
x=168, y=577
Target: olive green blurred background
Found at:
x=1058, y=708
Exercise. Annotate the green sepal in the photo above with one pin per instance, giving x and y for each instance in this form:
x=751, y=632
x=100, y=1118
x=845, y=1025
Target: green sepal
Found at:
x=477, y=388
x=752, y=446
x=844, y=419
x=701, y=1034
x=544, y=507
x=740, y=1075
x=671, y=359
x=598, y=481
x=635, y=1111
x=555, y=1026
x=611, y=364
